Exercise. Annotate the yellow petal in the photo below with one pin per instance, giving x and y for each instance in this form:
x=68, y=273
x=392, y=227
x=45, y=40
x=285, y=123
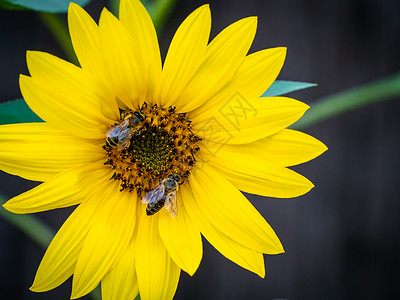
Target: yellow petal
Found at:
x=38, y=151
x=257, y=72
x=75, y=87
x=70, y=119
x=85, y=38
x=181, y=238
x=157, y=274
x=59, y=261
x=107, y=240
x=229, y=211
x=184, y=56
x=67, y=97
x=134, y=16
x=124, y=69
x=241, y=120
x=223, y=57
x=64, y=189
x=111, y=53
x=121, y=282
x=239, y=254
x=285, y=148
x=255, y=175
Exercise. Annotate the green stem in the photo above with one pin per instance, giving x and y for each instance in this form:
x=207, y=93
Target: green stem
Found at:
x=30, y=225
x=38, y=231
x=96, y=293
x=333, y=105
x=160, y=11
x=58, y=29
x=114, y=7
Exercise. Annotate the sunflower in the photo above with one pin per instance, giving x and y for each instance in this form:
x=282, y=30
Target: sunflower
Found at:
x=154, y=154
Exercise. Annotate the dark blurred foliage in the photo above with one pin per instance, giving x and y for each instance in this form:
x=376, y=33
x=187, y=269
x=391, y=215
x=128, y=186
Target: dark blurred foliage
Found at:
x=342, y=238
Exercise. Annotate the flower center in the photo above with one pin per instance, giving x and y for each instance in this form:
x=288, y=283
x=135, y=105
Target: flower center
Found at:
x=148, y=145
x=152, y=148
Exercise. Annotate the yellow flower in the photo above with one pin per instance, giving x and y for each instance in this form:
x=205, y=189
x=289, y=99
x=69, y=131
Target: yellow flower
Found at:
x=124, y=128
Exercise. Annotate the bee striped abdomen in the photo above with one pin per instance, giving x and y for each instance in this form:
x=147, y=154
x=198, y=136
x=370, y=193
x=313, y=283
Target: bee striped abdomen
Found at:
x=112, y=141
x=153, y=208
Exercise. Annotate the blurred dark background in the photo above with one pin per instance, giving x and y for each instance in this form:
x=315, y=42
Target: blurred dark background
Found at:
x=342, y=238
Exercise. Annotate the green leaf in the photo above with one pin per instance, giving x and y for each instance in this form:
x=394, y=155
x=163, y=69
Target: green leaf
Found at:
x=8, y=6
x=348, y=100
x=160, y=11
x=17, y=111
x=53, y=6
x=282, y=87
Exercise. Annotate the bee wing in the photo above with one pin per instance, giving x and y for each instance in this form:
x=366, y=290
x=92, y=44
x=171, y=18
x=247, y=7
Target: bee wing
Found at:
x=154, y=195
x=124, y=139
x=117, y=129
x=171, y=205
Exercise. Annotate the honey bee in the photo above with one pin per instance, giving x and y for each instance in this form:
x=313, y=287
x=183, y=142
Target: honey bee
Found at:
x=119, y=136
x=163, y=195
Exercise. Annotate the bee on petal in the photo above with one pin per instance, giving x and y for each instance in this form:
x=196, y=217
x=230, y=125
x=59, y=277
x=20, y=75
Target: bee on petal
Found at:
x=163, y=195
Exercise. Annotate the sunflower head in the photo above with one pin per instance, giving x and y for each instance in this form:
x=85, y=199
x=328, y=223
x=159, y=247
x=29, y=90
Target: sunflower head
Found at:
x=133, y=141
x=160, y=143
